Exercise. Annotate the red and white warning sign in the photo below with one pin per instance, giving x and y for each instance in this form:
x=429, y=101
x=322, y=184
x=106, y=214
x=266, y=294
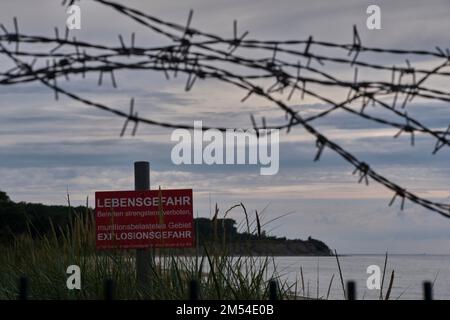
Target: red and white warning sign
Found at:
x=143, y=219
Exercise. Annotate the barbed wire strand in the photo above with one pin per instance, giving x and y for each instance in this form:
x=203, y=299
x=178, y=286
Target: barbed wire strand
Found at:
x=201, y=55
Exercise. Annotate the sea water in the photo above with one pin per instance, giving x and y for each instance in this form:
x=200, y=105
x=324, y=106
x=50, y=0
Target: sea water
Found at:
x=410, y=271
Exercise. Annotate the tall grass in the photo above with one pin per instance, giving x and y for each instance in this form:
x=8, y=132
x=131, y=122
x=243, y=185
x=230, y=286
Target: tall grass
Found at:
x=44, y=261
x=219, y=274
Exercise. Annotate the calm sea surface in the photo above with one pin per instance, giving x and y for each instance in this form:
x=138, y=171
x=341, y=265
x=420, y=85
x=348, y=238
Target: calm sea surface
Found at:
x=410, y=272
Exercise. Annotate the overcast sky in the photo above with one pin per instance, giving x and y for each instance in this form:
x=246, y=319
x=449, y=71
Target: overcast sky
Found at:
x=47, y=146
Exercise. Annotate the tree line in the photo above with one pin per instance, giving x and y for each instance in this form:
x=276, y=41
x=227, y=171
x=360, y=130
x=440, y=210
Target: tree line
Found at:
x=37, y=219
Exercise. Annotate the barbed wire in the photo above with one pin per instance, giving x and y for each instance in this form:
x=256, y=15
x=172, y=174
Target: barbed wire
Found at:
x=285, y=70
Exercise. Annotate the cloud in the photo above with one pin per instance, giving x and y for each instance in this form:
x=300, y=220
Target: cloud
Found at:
x=47, y=146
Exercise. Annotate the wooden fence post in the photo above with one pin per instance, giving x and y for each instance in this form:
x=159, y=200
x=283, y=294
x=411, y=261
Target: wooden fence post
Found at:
x=351, y=290
x=273, y=290
x=143, y=256
x=427, y=290
x=193, y=290
x=108, y=289
x=23, y=288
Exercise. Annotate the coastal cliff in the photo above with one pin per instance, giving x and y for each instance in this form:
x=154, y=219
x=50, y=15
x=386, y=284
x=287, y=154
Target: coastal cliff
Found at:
x=224, y=231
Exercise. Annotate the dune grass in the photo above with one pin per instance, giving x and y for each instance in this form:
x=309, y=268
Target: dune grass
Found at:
x=220, y=275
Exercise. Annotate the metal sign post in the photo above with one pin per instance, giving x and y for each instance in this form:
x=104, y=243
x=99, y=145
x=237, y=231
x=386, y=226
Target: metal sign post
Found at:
x=143, y=256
